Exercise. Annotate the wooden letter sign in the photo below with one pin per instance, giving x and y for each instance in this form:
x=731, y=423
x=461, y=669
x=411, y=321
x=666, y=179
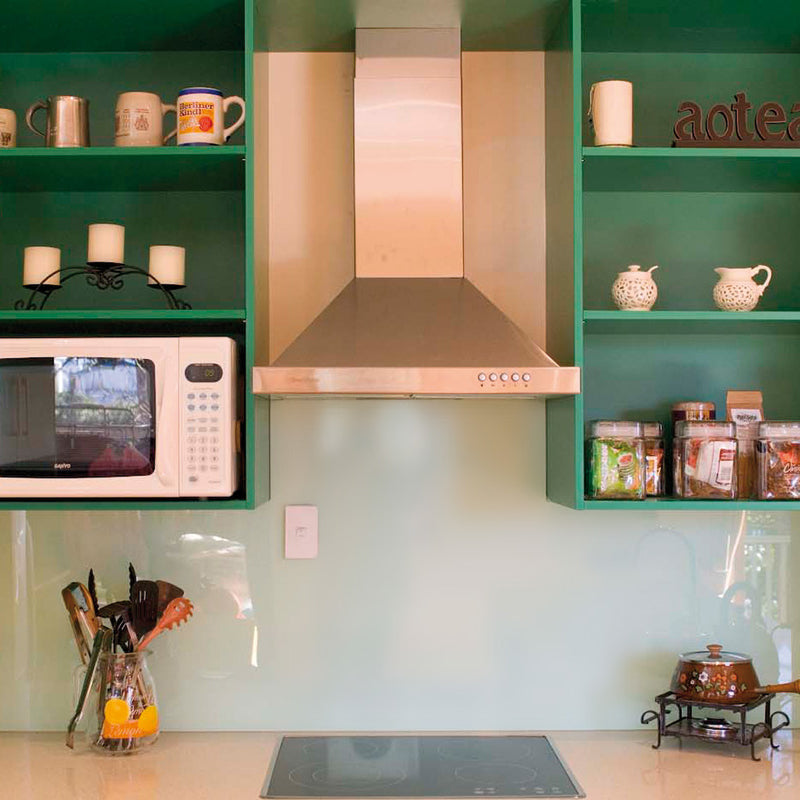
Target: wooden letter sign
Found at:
x=729, y=126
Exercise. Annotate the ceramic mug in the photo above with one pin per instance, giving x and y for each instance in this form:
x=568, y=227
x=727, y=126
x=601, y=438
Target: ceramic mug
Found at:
x=201, y=116
x=138, y=121
x=611, y=113
x=8, y=128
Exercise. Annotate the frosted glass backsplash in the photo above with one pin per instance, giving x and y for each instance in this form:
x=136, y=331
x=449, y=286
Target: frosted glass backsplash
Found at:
x=448, y=593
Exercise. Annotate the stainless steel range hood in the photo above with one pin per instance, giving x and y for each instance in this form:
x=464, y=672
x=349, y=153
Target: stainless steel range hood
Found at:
x=410, y=323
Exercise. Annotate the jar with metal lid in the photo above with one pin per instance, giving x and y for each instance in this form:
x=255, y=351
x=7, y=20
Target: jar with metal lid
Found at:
x=654, y=458
x=616, y=461
x=705, y=456
x=778, y=460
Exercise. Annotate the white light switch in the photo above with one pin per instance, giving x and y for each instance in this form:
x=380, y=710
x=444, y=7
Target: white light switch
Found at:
x=301, y=540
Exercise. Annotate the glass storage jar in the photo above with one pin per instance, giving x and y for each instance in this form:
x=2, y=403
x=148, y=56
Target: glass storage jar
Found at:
x=778, y=460
x=654, y=458
x=705, y=460
x=616, y=462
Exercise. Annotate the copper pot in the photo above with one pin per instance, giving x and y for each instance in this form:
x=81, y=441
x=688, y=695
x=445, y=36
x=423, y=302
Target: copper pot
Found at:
x=721, y=677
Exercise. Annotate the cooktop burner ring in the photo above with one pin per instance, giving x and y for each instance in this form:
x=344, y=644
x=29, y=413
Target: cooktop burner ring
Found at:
x=509, y=749
x=355, y=775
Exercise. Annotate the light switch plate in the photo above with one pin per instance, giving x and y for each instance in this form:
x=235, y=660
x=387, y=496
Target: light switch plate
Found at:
x=300, y=532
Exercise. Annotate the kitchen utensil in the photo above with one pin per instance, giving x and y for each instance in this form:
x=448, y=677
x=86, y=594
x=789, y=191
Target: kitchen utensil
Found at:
x=8, y=128
x=114, y=609
x=144, y=607
x=736, y=290
x=92, y=587
x=102, y=643
x=167, y=592
x=611, y=113
x=138, y=120
x=722, y=677
x=131, y=579
x=82, y=617
x=201, y=116
x=634, y=290
x=67, y=123
x=179, y=610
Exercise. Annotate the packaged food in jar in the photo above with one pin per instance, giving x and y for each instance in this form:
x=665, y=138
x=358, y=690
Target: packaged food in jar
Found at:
x=692, y=410
x=706, y=460
x=778, y=460
x=654, y=458
x=746, y=409
x=616, y=461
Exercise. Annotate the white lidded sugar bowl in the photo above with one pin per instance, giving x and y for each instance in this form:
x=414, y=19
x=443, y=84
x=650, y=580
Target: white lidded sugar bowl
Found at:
x=634, y=290
x=736, y=290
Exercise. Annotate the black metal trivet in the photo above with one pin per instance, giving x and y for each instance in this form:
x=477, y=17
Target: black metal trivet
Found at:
x=716, y=730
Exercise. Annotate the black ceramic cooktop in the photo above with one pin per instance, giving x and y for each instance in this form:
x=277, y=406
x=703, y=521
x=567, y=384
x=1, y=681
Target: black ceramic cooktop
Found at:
x=418, y=766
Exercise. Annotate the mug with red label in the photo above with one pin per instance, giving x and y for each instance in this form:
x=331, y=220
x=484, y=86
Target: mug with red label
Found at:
x=201, y=116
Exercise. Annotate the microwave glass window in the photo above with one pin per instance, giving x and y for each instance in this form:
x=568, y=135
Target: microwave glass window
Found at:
x=77, y=417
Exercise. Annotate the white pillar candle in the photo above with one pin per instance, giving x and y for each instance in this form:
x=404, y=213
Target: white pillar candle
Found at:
x=39, y=263
x=106, y=244
x=167, y=265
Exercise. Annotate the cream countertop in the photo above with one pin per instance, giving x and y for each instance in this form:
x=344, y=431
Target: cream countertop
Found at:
x=232, y=766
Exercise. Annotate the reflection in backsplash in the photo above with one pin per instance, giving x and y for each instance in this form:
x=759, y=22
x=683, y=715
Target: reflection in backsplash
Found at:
x=448, y=594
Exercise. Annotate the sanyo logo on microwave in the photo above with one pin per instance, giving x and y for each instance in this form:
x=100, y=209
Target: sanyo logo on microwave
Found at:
x=62, y=465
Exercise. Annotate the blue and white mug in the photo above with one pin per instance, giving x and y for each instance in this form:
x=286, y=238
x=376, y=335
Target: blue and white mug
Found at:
x=201, y=116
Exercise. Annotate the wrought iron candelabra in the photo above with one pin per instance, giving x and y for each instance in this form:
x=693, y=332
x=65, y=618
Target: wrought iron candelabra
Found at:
x=101, y=276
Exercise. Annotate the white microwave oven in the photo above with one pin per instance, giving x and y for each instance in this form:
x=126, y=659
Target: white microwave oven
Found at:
x=118, y=417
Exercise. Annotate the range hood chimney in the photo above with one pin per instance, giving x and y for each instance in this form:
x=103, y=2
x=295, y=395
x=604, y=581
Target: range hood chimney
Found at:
x=411, y=323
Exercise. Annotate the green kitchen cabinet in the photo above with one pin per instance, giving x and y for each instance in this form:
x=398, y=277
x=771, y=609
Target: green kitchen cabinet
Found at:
x=198, y=197
x=687, y=210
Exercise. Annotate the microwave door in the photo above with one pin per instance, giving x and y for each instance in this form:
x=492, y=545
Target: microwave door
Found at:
x=27, y=425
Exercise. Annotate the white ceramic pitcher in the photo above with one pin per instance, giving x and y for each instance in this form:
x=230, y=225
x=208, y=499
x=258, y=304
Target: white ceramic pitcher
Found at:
x=736, y=290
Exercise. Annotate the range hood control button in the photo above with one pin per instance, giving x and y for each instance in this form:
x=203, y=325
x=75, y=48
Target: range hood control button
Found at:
x=504, y=377
x=526, y=376
x=515, y=376
x=482, y=376
x=492, y=376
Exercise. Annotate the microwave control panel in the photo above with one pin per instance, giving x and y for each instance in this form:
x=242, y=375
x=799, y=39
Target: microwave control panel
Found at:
x=208, y=417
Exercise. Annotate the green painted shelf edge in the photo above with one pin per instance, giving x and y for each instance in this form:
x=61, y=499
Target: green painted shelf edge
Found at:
x=677, y=504
x=185, y=315
x=132, y=504
x=200, y=151
x=691, y=152
x=692, y=316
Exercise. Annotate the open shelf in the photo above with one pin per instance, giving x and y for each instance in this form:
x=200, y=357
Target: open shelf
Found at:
x=127, y=315
x=679, y=504
x=667, y=26
x=690, y=322
x=97, y=25
x=33, y=169
x=131, y=504
x=686, y=169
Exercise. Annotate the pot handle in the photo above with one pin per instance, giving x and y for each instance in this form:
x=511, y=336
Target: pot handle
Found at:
x=792, y=686
x=762, y=268
x=714, y=650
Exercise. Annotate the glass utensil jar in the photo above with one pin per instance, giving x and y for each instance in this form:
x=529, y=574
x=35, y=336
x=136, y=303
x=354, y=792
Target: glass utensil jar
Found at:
x=122, y=712
x=654, y=458
x=617, y=465
x=705, y=456
x=778, y=460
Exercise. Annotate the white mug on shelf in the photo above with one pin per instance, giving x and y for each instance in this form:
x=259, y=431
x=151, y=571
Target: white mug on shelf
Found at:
x=138, y=121
x=611, y=113
x=8, y=128
x=201, y=116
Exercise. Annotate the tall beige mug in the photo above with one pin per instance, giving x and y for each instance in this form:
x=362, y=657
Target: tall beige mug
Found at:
x=611, y=113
